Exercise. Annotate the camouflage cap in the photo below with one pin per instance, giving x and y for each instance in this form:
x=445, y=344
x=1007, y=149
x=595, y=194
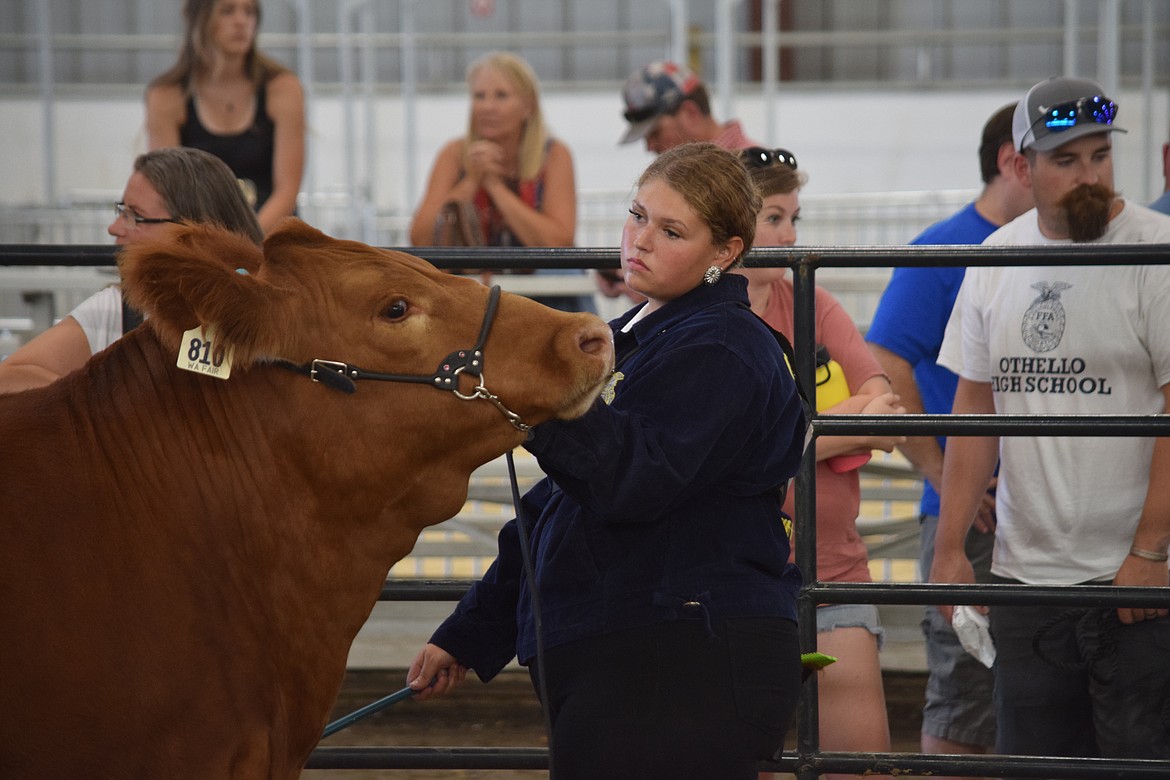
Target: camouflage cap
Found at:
x=652, y=91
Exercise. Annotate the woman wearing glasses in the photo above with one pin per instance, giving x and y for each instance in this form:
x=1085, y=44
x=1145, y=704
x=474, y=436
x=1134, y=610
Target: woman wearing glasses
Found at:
x=850, y=695
x=167, y=185
x=225, y=96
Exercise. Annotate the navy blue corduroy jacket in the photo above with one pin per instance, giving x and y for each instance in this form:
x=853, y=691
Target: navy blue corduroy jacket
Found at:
x=665, y=494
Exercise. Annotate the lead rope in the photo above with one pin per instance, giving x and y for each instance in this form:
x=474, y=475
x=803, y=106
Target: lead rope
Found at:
x=366, y=711
x=530, y=573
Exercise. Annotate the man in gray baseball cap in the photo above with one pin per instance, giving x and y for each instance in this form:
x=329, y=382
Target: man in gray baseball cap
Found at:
x=1049, y=341
x=1059, y=109
x=667, y=105
x=1063, y=127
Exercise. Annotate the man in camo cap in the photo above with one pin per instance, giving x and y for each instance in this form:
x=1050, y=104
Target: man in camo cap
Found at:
x=667, y=105
x=1067, y=340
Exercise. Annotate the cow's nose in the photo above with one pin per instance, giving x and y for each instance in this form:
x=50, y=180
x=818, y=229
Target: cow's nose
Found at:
x=595, y=339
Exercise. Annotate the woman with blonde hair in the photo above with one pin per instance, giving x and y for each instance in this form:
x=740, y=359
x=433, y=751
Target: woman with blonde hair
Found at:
x=225, y=96
x=518, y=177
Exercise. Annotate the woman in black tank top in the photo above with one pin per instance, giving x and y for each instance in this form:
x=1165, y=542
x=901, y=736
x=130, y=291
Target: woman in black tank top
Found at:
x=249, y=153
x=226, y=97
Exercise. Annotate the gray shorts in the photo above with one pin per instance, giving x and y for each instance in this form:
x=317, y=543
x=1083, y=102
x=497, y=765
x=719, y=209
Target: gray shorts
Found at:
x=864, y=616
x=958, y=688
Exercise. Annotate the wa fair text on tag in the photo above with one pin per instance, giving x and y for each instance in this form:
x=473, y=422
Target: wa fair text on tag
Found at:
x=201, y=352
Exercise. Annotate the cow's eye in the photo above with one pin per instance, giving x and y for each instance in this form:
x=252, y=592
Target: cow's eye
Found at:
x=396, y=310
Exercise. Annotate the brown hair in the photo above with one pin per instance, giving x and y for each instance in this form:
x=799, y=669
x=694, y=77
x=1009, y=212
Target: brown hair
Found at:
x=699, y=97
x=194, y=54
x=199, y=187
x=715, y=184
x=776, y=179
x=996, y=133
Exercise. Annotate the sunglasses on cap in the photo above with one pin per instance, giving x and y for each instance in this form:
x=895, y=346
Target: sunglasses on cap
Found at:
x=759, y=157
x=1097, y=109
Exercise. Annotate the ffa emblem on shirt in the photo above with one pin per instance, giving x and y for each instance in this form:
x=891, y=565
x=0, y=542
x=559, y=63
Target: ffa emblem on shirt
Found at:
x=1043, y=324
x=610, y=389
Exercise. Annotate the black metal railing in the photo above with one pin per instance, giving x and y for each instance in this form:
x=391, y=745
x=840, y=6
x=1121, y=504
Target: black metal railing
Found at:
x=807, y=761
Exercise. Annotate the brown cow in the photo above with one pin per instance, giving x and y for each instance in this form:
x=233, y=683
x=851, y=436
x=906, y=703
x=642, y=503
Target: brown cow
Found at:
x=184, y=560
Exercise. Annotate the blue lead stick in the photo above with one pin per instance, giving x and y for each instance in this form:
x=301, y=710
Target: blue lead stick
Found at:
x=367, y=710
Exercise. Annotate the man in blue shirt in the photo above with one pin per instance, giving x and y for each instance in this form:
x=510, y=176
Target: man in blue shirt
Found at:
x=905, y=336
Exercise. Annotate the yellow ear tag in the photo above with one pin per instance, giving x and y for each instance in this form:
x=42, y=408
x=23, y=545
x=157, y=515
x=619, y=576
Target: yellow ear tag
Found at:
x=200, y=351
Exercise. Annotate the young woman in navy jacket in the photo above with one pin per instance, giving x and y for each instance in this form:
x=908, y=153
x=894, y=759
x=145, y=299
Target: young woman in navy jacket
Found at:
x=667, y=599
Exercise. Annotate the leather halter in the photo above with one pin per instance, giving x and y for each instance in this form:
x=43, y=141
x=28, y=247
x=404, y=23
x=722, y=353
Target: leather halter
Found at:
x=341, y=376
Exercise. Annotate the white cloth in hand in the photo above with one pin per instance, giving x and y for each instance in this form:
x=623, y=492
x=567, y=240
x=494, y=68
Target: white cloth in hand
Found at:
x=971, y=627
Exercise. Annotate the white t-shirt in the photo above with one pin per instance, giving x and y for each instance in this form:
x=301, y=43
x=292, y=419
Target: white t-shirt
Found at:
x=100, y=316
x=1067, y=340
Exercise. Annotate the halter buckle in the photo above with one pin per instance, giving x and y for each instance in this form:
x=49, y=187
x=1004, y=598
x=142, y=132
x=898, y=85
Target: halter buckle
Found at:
x=342, y=376
x=327, y=365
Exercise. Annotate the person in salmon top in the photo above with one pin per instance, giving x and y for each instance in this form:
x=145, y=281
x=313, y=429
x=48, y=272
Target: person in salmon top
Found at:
x=851, y=700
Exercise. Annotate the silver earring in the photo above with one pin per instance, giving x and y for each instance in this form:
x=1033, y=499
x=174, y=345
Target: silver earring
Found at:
x=712, y=274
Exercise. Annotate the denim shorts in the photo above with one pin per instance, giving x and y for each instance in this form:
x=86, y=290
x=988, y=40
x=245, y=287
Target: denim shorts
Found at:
x=865, y=616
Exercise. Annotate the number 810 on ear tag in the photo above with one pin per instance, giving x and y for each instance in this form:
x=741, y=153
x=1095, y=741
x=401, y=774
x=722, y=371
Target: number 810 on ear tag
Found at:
x=201, y=352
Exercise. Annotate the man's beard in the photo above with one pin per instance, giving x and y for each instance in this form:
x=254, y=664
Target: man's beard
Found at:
x=1086, y=209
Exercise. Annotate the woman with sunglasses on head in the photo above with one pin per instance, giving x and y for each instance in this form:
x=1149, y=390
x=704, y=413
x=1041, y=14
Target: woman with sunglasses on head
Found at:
x=168, y=185
x=225, y=96
x=667, y=597
x=851, y=700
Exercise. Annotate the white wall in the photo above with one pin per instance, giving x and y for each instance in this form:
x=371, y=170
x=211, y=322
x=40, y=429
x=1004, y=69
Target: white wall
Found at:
x=848, y=142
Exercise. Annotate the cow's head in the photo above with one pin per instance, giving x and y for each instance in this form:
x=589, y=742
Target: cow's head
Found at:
x=308, y=296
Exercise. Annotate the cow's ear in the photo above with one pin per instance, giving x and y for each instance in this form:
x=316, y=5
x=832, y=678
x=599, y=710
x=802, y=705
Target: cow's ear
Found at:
x=204, y=275
x=291, y=232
